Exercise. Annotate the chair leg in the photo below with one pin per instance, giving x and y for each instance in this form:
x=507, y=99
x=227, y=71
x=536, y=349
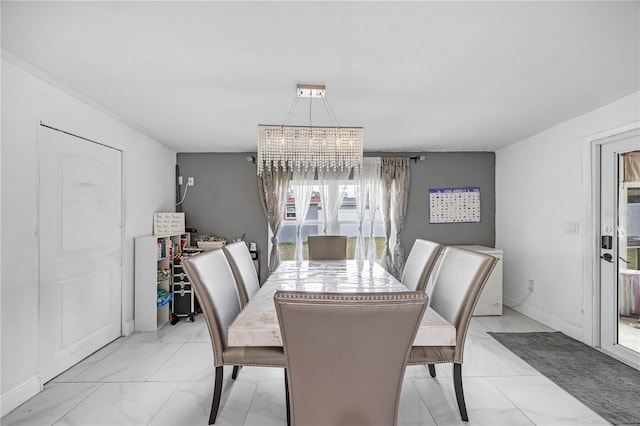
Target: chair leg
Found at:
x=457, y=384
x=217, y=393
x=286, y=396
x=432, y=370
x=236, y=369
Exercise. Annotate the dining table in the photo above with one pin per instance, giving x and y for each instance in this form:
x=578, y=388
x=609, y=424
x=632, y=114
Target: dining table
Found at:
x=257, y=323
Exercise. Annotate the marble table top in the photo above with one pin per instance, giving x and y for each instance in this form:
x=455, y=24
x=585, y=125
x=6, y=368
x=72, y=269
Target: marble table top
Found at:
x=257, y=324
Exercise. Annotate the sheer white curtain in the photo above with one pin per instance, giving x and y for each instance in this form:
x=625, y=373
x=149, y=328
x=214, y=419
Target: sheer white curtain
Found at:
x=374, y=185
x=367, y=182
x=361, y=208
x=302, y=189
x=331, y=194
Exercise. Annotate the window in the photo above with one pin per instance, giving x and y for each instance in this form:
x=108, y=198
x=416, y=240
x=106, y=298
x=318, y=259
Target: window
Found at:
x=290, y=212
x=314, y=222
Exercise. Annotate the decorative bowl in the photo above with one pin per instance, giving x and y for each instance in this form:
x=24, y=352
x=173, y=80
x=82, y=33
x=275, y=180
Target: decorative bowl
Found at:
x=211, y=245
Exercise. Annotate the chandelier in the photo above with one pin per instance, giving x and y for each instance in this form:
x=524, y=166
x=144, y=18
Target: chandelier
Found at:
x=309, y=147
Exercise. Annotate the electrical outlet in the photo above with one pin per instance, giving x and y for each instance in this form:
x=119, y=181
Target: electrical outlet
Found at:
x=530, y=287
x=191, y=181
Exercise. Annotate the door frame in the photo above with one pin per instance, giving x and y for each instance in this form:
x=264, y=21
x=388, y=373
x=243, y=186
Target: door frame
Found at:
x=125, y=328
x=591, y=237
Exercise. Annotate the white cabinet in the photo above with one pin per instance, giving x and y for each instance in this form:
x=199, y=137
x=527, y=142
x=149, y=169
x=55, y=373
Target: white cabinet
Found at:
x=490, y=302
x=153, y=276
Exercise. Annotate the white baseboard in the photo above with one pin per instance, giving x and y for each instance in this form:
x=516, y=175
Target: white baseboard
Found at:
x=546, y=319
x=128, y=327
x=20, y=394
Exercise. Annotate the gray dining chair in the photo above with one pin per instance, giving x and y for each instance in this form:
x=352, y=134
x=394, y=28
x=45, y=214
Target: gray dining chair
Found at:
x=217, y=292
x=419, y=264
x=245, y=274
x=458, y=283
x=346, y=354
x=327, y=247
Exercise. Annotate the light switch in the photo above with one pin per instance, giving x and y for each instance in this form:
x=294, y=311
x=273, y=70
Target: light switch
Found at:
x=572, y=228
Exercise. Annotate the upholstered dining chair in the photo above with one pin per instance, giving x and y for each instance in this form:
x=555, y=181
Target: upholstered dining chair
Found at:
x=458, y=283
x=419, y=264
x=327, y=247
x=338, y=371
x=245, y=274
x=216, y=290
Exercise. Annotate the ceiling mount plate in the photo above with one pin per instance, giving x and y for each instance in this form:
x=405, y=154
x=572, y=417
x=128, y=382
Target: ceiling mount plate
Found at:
x=311, y=90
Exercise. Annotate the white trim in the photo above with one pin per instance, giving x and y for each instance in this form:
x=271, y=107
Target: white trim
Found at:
x=591, y=197
x=591, y=299
x=38, y=73
x=127, y=327
x=551, y=321
x=20, y=394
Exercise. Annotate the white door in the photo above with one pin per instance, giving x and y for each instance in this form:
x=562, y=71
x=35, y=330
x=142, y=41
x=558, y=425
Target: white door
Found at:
x=619, y=246
x=80, y=233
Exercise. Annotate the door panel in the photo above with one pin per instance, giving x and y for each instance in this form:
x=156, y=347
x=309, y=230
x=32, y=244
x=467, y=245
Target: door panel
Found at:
x=618, y=274
x=86, y=187
x=81, y=319
x=80, y=233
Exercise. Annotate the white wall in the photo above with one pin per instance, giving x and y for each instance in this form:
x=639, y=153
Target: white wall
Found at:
x=149, y=169
x=539, y=188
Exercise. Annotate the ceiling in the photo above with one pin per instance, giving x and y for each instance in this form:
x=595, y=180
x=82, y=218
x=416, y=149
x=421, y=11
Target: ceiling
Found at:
x=418, y=76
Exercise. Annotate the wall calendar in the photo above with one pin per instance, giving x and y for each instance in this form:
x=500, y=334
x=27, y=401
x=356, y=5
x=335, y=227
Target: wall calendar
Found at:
x=454, y=205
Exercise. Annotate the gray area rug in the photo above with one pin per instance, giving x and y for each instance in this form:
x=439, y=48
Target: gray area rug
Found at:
x=607, y=386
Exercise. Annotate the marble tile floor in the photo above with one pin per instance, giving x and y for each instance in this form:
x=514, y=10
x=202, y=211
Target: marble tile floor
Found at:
x=166, y=378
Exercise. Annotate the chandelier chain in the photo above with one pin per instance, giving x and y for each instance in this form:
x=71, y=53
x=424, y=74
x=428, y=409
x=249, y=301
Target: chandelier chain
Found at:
x=291, y=109
x=332, y=116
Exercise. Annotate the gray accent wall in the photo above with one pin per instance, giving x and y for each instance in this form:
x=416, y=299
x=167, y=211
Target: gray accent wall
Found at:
x=225, y=200
x=451, y=170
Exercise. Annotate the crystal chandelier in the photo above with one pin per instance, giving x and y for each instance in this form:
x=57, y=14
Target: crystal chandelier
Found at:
x=309, y=147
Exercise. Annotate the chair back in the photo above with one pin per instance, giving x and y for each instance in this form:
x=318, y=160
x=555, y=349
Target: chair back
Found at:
x=241, y=264
x=346, y=354
x=212, y=279
x=327, y=247
x=458, y=283
x=419, y=264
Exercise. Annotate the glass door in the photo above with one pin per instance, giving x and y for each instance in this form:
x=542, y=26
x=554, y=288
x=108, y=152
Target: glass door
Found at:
x=620, y=246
